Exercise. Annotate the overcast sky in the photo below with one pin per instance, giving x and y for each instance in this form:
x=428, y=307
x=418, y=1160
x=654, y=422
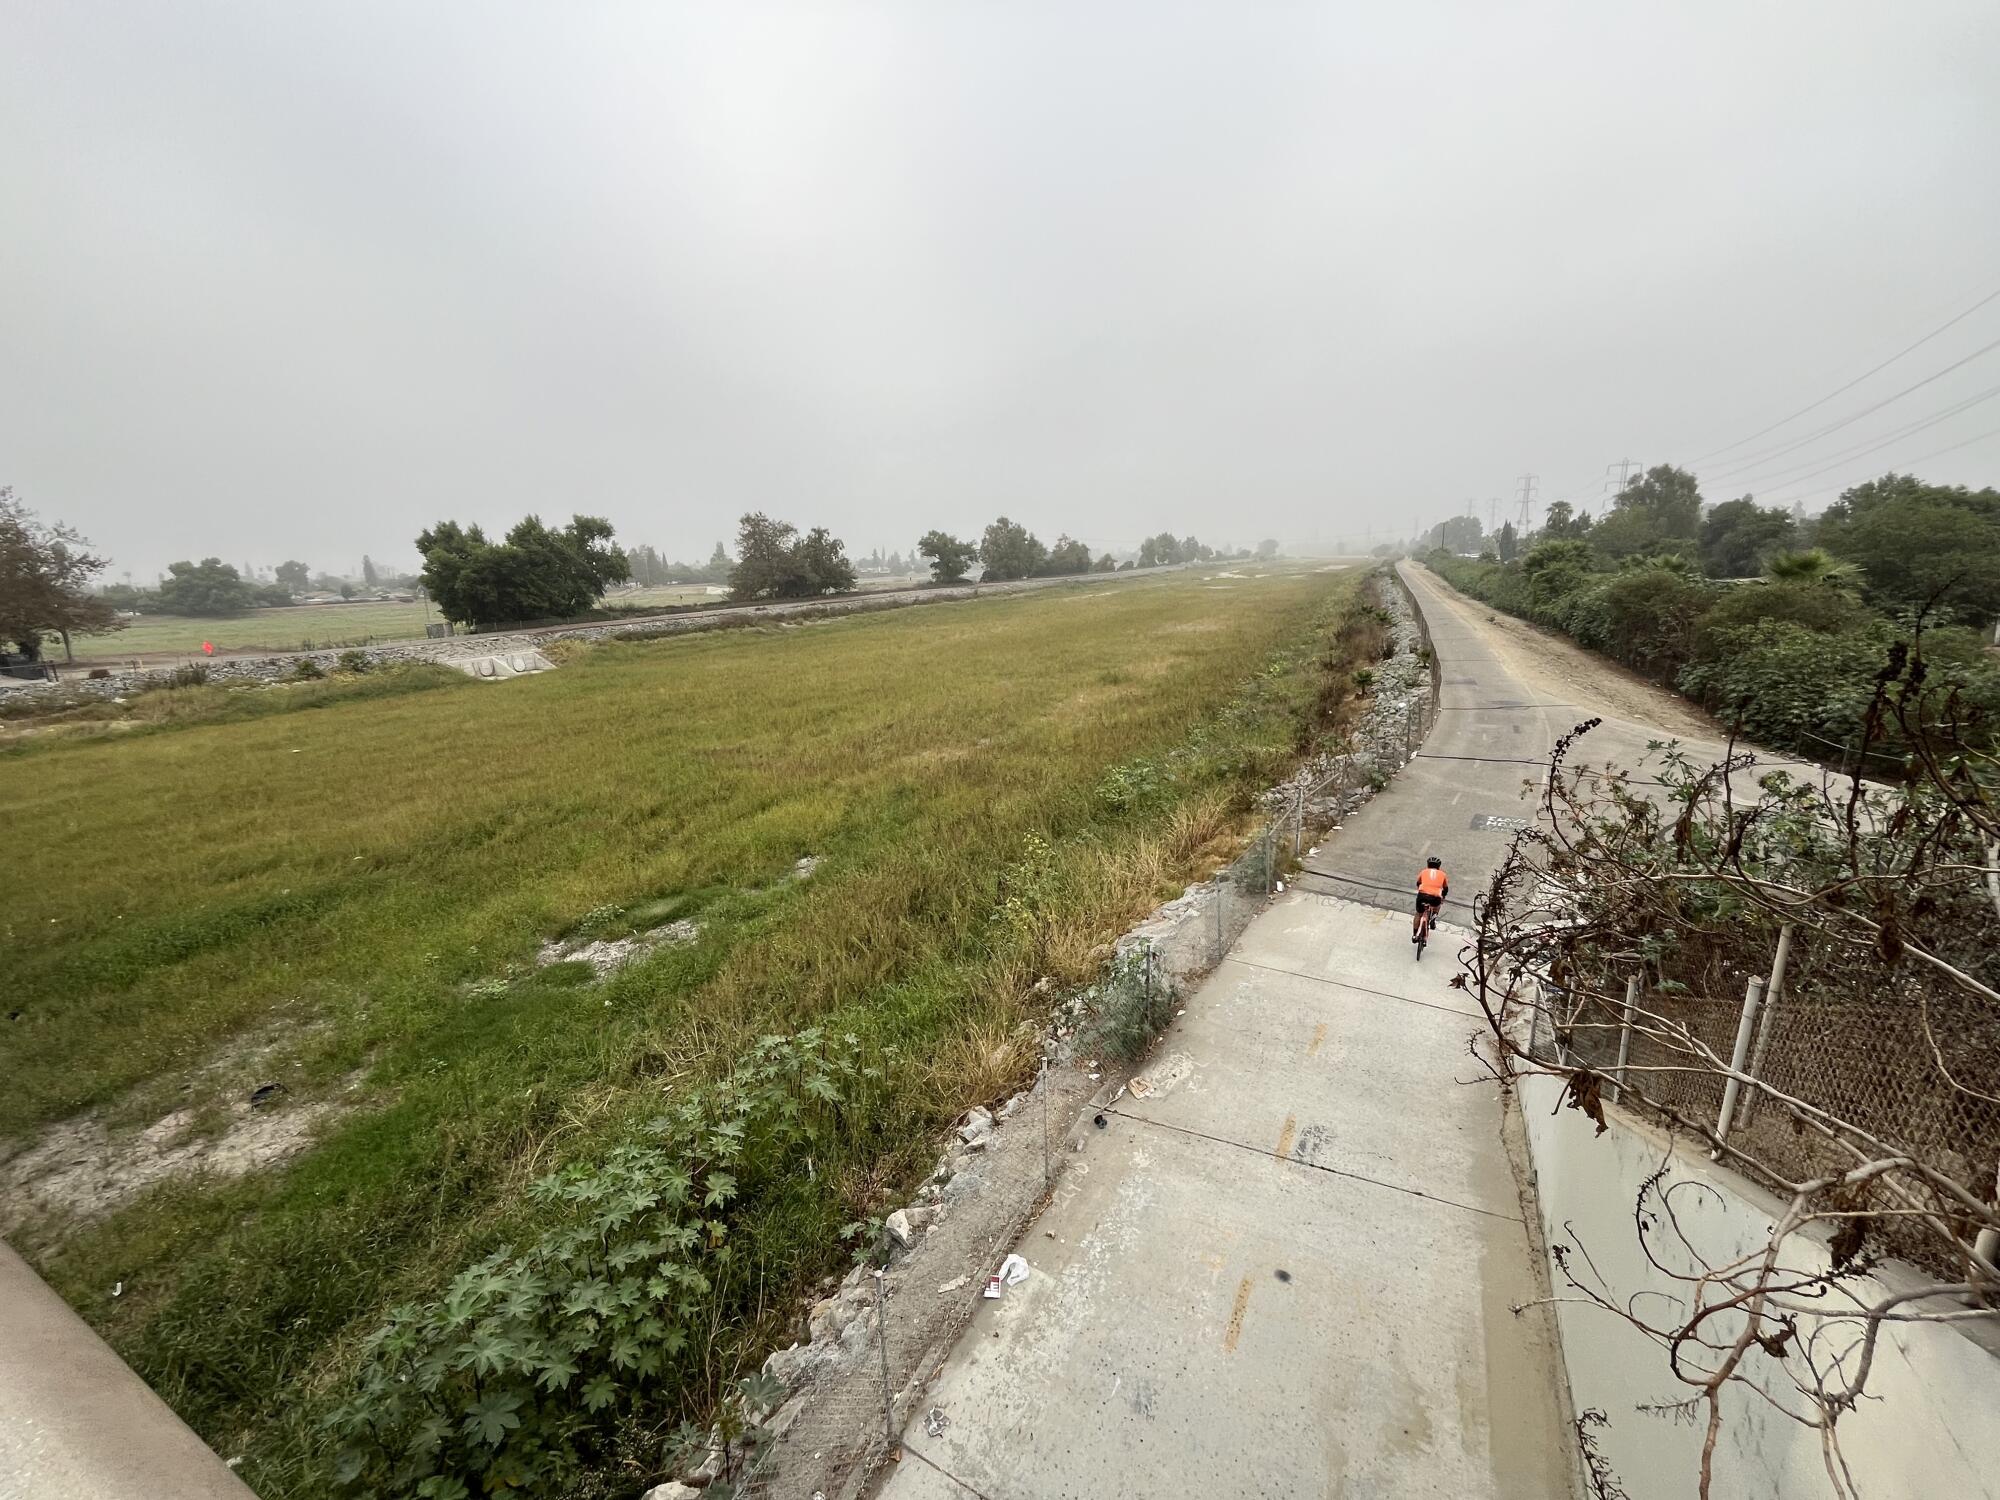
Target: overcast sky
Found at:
x=299, y=279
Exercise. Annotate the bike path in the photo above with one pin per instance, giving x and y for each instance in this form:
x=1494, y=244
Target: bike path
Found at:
x=1289, y=1270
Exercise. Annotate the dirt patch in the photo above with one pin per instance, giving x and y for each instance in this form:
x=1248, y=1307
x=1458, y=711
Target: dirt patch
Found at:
x=608, y=955
x=83, y=1169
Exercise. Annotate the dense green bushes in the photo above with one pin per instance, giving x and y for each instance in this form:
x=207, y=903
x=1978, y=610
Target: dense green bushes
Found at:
x=1791, y=662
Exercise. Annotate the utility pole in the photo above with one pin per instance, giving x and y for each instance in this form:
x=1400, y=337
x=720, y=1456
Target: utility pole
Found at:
x=1528, y=483
x=1493, y=517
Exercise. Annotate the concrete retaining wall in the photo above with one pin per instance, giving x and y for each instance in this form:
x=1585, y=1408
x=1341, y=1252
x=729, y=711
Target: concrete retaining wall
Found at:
x=1929, y=1427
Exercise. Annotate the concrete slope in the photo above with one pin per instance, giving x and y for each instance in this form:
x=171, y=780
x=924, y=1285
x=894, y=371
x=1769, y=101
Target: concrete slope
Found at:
x=1288, y=1270
x=75, y=1423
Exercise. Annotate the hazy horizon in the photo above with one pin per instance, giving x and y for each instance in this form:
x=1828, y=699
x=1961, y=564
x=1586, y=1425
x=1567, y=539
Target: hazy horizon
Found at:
x=300, y=281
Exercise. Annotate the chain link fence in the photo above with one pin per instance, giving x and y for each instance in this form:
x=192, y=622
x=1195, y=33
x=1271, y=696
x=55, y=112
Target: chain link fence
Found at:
x=1895, y=1063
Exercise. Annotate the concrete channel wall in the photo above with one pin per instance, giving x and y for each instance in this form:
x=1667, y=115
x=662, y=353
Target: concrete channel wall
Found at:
x=75, y=1423
x=1929, y=1425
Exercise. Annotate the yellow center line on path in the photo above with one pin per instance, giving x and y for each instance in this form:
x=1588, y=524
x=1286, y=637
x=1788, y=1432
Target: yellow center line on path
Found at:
x=1285, y=1136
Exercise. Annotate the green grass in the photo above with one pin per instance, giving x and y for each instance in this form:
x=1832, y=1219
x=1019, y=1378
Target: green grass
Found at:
x=291, y=628
x=341, y=879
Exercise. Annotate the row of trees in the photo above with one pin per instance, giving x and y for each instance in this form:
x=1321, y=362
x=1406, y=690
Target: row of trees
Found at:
x=1792, y=653
x=534, y=572
x=649, y=567
x=1008, y=550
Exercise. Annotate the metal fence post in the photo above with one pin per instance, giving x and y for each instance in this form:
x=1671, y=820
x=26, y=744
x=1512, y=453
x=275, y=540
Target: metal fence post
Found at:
x=882, y=1337
x=1221, y=900
x=1772, y=989
x=1048, y=1171
x=1753, y=995
x=1625, y=1035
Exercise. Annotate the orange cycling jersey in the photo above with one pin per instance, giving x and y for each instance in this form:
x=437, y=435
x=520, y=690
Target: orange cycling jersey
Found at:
x=1431, y=882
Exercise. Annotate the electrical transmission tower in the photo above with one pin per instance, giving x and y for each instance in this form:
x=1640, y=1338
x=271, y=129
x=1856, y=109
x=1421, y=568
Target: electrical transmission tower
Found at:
x=1528, y=483
x=1624, y=466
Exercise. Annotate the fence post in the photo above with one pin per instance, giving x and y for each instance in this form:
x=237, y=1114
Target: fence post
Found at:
x=1221, y=900
x=1410, y=730
x=1048, y=1172
x=1772, y=989
x=1753, y=995
x=882, y=1337
x=1625, y=1035
x=1270, y=859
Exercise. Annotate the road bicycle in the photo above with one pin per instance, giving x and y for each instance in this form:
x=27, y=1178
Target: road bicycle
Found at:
x=1424, y=920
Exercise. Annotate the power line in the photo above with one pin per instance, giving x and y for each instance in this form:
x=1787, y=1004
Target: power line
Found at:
x=1842, y=390
x=1869, y=445
x=1922, y=458
x=1814, y=436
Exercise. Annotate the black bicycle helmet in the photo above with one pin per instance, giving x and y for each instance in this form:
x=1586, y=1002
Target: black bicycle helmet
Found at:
x=1434, y=863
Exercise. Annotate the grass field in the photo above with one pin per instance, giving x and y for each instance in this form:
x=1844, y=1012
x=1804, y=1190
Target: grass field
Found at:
x=349, y=899
x=295, y=628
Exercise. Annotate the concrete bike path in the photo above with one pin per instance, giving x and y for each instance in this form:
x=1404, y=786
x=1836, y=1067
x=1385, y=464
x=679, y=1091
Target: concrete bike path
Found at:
x=1288, y=1271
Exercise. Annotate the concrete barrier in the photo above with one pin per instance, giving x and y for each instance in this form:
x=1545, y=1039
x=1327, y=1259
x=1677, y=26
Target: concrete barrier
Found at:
x=1928, y=1426
x=75, y=1422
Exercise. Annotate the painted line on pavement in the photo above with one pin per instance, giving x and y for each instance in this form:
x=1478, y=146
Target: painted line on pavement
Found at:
x=1313, y=1166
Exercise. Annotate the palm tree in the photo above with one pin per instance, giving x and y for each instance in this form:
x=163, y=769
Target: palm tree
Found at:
x=1814, y=565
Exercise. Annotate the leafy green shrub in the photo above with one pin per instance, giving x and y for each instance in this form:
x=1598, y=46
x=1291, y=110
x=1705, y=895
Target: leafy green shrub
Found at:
x=355, y=661
x=537, y=1362
x=1787, y=685
x=307, y=670
x=194, y=674
x=1364, y=679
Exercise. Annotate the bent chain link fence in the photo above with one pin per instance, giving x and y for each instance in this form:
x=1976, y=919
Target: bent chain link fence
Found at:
x=1883, y=1061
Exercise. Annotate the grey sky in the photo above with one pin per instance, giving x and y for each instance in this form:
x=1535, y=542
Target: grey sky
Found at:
x=300, y=279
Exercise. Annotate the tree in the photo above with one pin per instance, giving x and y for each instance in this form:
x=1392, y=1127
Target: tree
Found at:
x=1555, y=570
x=1563, y=523
x=774, y=562
x=367, y=570
x=1267, y=549
x=1669, y=499
x=538, y=572
x=45, y=572
x=1066, y=557
x=1921, y=547
x=295, y=576
x=1739, y=536
x=1815, y=566
x=822, y=563
x=1458, y=534
x=1507, y=544
x=764, y=565
x=1162, y=551
x=209, y=587
x=950, y=558
x=1010, y=550
x=1105, y=564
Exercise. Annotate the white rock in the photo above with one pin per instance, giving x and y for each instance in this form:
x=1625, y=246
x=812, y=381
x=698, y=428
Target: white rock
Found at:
x=673, y=1489
x=899, y=1227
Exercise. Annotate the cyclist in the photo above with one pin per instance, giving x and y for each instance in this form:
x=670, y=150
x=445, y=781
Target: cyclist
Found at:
x=1432, y=888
